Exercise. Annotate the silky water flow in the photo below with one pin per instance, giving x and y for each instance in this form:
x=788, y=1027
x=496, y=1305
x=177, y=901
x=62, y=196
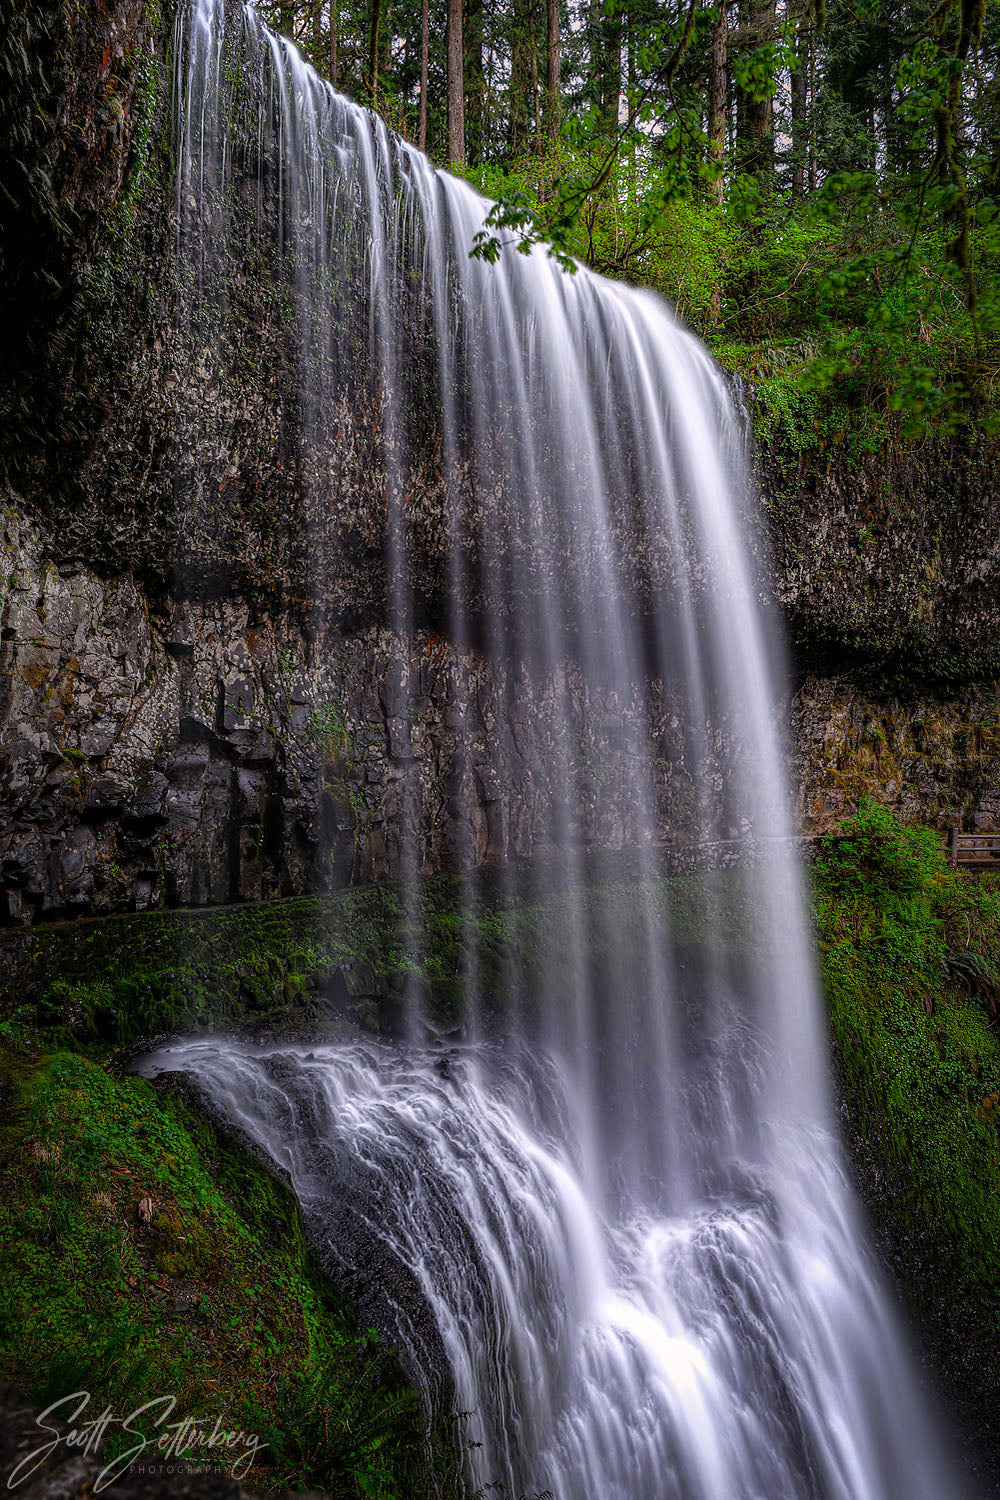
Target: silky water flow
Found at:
x=607, y=1216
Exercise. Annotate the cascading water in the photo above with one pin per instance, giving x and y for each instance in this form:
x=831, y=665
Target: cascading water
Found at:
x=608, y=1215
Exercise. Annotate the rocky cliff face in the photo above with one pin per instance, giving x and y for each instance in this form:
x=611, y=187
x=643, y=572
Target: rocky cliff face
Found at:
x=191, y=711
x=886, y=565
x=168, y=751
x=932, y=755
x=886, y=555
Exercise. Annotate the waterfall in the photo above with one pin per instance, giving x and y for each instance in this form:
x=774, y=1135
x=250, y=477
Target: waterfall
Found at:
x=607, y=1217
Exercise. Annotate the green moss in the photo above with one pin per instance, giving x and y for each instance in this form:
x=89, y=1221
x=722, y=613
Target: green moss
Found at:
x=118, y=980
x=909, y=952
x=143, y=1257
x=117, y=275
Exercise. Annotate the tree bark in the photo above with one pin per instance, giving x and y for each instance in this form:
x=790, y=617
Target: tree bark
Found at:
x=717, y=100
x=475, y=82
x=761, y=111
x=317, y=35
x=425, y=33
x=800, y=142
x=606, y=64
x=374, y=22
x=536, y=103
x=813, y=172
x=456, y=83
x=385, y=40
x=755, y=117
x=553, y=69
x=334, y=42
x=520, y=109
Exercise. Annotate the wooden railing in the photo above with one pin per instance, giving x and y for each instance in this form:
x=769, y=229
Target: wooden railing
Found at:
x=973, y=850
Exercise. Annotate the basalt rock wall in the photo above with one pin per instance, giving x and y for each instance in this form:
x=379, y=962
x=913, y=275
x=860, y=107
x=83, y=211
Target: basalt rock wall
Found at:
x=886, y=564
x=163, y=751
x=886, y=552
x=192, y=711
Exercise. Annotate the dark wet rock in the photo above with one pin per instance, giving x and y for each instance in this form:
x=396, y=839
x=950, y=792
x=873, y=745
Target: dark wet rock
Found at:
x=265, y=761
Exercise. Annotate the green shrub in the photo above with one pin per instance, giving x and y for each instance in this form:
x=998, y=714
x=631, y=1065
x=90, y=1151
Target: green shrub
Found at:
x=873, y=854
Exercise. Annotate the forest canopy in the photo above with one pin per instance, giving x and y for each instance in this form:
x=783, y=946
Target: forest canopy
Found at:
x=814, y=185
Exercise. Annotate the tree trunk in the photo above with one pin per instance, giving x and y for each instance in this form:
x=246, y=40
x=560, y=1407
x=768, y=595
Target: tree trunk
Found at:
x=519, y=109
x=334, y=42
x=536, y=103
x=717, y=101
x=606, y=64
x=755, y=117
x=475, y=82
x=631, y=94
x=374, y=22
x=385, y=40
x=813, y=171
x=553, y=69
x=760, y=113
x=317, y=35
x=425, y=33
x=800, y=143
x=286, y=20
x=456, y=84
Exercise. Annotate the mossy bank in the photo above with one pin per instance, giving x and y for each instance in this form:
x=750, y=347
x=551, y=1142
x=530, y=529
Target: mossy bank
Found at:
x=144, y=1255
x=911, y=968
x=144, y=1258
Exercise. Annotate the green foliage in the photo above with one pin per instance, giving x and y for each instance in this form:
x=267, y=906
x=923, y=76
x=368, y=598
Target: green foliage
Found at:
x=143, y=1257
x=909, y=965
x=975, y=973
x=881, y=269
x=844, y=312
x=677, y=244
x=215, y=1298
x=873, y=855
